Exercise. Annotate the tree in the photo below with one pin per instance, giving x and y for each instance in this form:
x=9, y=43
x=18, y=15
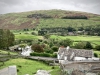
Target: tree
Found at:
x=37, y=48
x=66, y=42
x=7, y=38
x=88, y=45
x=80, y=45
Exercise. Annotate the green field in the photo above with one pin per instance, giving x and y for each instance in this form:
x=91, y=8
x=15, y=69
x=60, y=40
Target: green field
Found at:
x=93, y=39
x=27, y=37
x=54, y=23
x=29, y=66
x=7, y=52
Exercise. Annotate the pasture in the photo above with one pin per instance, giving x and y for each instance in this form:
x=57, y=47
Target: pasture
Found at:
x=27, y=37
x=7, y=52
x=93, y=39
x=25, y=66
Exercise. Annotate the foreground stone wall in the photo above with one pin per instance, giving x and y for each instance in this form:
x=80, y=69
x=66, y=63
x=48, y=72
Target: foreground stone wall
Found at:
x=84, y=67
x=11, y=70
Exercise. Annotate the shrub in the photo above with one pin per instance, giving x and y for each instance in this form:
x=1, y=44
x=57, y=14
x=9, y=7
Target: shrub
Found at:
x=40, y=54
x=22, y=45
x=53, y=67
x=97, y=47
x=36, y=54
x=43, y=54
x=49, y=51
x=54, y=55
x=80, y=45
x=88, y=45
x=37, y=48
x=95, y=54
x=66, y=42
x=34, y=33
x=55, y=48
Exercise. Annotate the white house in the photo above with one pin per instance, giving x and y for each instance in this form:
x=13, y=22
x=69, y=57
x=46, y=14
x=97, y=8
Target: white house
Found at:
x=69, y=54
x=26, y=51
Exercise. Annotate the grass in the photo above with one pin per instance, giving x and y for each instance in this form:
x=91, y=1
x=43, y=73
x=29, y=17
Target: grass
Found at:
x=78, y=38
x=11, y=20
x=27, y=37
x=93, y=39
x=29, y=66
x=53, y=23
x=7, y=52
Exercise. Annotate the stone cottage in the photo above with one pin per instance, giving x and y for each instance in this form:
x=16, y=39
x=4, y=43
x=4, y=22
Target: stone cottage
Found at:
x=78, y=59
x=70, y=54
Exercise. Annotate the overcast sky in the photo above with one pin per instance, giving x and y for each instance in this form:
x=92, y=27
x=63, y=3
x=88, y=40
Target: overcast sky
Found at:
x=10, y=6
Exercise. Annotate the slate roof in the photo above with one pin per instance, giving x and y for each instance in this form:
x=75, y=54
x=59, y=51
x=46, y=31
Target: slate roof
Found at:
x=77, y=52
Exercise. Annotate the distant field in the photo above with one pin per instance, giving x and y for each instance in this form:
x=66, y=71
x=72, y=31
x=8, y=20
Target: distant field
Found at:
x=27, y=36
x=29, y=66
x=78, y=38
x=93, y=39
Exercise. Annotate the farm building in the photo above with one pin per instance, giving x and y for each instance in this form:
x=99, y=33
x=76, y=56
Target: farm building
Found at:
x=80, y=60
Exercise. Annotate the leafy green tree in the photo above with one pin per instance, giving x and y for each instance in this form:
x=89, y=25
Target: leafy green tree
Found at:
x=80, y=45
x=83, y=45
x=7, y=38
x=88, y=45
x=66, y=42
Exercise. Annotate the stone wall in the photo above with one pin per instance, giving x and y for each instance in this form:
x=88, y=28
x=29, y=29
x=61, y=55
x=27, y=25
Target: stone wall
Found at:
x=11, y=70
x=84, y=67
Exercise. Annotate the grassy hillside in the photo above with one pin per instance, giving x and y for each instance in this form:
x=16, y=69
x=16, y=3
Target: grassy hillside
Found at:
x=26, y=20
x=25, y=66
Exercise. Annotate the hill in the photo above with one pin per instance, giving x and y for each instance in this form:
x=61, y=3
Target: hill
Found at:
x=47, y=19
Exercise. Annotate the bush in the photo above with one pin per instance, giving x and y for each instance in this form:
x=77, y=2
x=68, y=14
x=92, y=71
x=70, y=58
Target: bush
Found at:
x=55, y=48
x=37, y=48
x=40, y=54
x=49, y=51
x=34, y=33
x=88, y=45
x=54, y=55
x=97, y=47
x=66, y=42
x=35, y=54
x=95, y=54
x=43, y=54
x=80, y=45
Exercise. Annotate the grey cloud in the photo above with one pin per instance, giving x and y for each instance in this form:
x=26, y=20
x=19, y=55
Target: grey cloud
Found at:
x=7, y=6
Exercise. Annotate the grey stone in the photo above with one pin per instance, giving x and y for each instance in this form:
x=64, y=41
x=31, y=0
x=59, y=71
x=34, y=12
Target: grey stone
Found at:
x=42, y=72
x=11, y=70
x=91, y=74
